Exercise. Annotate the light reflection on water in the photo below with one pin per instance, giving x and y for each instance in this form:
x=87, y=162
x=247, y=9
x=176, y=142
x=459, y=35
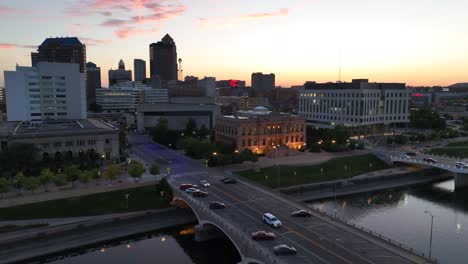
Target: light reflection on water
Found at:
x=399, y=215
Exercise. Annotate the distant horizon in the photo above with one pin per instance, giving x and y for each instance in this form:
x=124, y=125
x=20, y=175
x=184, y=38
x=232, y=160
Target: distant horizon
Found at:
x=417, y=43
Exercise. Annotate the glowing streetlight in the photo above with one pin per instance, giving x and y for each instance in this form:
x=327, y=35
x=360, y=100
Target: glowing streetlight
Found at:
x=333, y=141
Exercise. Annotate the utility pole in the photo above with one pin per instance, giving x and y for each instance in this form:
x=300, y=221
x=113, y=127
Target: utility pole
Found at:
x=430, y=239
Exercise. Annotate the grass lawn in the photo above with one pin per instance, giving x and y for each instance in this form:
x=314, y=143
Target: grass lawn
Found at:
x=450, y=152
x=11, y=228
x=334, y=169
x=142, y=198
x=458, y=144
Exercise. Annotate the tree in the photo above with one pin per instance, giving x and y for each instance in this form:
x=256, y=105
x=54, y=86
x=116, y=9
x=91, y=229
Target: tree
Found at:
x=86, y=176
x=72, y=173
x=31, y=183
x=136, y=170
x=4, y=187
x=155, y=169
x=46, y=177
x=59, y=179
x=191, y=126
x=19, y=180
x=112, y=172
x=426, y=119
x=20, y=157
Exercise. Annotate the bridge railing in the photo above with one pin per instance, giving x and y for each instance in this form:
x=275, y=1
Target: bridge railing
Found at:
x=375, y=234
x=245, y=243
x=432, y=164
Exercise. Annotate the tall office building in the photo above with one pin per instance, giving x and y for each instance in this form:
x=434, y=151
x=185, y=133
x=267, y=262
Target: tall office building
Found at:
x=47, y=91
x=93, y=82
x=163, y=59
x=120, y=75
x=262, y=84
x=354, y=104
x=65, y=50
x=139, y=68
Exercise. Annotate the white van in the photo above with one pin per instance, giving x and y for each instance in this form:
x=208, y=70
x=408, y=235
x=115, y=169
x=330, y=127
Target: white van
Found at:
x=271, y=220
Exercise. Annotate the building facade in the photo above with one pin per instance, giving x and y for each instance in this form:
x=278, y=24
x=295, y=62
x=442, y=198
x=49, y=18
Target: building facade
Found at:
x=139, y=70
x=354, y=104
x=242, y=102
x=64, y=50
x=93, y=82
x=261, y=130
x=119, y=75
x=262, y=84
x=163, y=59
x=125, y=96
x=47, y=91
x=73, y=136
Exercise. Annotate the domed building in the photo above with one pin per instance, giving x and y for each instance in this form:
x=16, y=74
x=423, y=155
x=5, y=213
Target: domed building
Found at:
x=262, y=131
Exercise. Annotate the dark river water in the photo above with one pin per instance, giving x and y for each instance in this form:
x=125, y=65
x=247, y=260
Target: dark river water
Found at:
x=176, y=245
x=400, y=215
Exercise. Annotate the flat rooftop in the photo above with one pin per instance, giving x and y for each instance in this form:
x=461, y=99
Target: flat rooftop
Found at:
x=55, y=128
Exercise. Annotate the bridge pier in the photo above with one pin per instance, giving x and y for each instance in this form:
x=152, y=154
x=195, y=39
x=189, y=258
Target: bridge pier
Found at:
x=461, y=180
x=207, y=232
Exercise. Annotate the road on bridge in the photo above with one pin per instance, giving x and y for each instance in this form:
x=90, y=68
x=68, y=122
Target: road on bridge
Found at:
x=317, y=240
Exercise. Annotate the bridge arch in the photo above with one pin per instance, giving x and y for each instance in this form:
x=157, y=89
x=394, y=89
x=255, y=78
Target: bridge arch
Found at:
x=204, y=223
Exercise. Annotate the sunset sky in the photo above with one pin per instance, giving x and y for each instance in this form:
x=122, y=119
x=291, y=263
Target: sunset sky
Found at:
x=420, y=42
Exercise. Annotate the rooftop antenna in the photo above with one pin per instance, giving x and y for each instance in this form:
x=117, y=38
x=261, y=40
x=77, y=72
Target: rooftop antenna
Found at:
x=339, y=67
x=181, y=75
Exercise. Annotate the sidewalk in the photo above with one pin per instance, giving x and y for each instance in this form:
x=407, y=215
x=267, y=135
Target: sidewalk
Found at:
x=304, y=159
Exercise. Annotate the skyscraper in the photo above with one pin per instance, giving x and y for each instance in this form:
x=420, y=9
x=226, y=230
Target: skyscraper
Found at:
x=65, y=50
x=262, y=84
x=120, y=75
x=163, y=59
x=93, y=82
x=139, y=68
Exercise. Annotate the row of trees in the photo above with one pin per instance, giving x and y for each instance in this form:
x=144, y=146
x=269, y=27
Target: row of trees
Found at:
x=25, y=158
x=426, y=119
x=419, y=137
x=332, y=140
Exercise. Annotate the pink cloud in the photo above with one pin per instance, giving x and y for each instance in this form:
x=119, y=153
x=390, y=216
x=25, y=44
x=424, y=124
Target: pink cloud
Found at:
x=8, y=46
x=7, y=10
x=94, y=42
x=227, y=22
x=281, y=12
x=132, y=16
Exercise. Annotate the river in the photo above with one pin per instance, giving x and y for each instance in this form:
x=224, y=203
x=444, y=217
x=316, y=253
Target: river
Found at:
x=400, y=215
x=175, y=245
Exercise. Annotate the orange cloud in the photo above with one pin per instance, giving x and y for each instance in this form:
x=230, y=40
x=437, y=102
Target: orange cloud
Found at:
x=234, y=21
x=281, y=12
x=8, y=46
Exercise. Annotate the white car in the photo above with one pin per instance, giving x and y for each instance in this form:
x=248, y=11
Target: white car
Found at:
x=205, y=183
x=271, y=220
x=406, y=157
x=461, y=164
x=191, y=190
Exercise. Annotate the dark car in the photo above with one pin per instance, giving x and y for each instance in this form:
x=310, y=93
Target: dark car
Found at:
x=410, y=153
x=200, y=194
x=229, y=181
x=284, y=250
x=301, y=213
x=263, y=235
x=185, y=186
x=217, y=205
x=430, y=160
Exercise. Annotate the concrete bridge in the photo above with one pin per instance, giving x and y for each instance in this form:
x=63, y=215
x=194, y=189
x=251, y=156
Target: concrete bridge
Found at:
x=318, y=239
x=441, y=162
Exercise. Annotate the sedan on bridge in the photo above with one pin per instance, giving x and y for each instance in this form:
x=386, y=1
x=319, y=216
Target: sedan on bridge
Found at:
x=263, y=235
x=301, y=213
x=229, y=181
x=284, y=250
x=192, y=190
x=217, y=205
x=200, y=194
x=430, y=160
x=204, y=183
x=461, y=164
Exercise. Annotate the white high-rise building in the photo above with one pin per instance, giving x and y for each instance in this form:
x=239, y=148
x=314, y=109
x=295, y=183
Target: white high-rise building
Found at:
x=47, y=91
x=355, y=104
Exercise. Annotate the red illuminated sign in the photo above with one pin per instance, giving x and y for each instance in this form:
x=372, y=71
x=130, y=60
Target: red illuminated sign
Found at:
x=233, y=83
x=417, y=95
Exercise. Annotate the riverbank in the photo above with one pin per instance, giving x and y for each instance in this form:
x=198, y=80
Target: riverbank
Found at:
x=77, y=235
x=356, y=185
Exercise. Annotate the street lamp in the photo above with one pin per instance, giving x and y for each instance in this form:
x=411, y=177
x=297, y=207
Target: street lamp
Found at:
x=333, y=141
x=126, y=198
x=432, y=225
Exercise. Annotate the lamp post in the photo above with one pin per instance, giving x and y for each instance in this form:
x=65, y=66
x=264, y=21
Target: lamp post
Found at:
x=126, y=198
x=432, y=225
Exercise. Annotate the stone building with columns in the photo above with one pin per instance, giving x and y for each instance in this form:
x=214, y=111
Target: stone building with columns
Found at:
x=262, y=131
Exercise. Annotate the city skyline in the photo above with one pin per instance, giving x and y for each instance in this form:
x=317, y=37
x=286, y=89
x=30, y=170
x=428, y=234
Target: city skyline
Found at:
x=418, y=43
